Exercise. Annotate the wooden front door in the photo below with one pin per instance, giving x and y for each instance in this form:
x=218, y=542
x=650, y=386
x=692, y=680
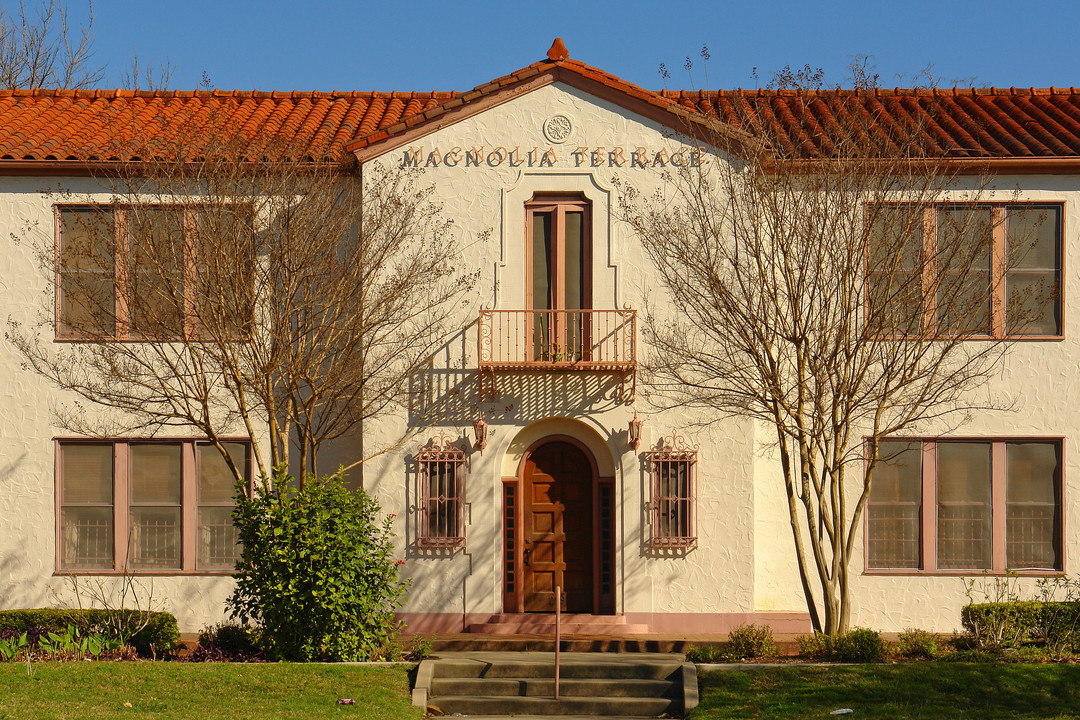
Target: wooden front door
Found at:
x=557, y=491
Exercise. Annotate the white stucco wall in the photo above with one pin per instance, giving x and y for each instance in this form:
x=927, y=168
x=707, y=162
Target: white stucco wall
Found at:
x=744, y=562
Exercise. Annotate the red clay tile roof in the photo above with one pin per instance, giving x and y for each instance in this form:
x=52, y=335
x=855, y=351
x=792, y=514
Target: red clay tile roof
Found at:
x=123, y=125
x=81, y=127
x=958, y=123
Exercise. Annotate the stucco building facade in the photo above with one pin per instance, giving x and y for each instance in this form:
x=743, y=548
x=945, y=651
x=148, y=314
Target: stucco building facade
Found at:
x=683, y=528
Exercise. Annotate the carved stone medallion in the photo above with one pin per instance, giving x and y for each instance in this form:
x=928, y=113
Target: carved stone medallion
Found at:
x=557, y=128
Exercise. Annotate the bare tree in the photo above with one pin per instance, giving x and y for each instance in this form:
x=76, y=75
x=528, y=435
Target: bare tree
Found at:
x=820, y=289
x=282, y=299
x=38, y=48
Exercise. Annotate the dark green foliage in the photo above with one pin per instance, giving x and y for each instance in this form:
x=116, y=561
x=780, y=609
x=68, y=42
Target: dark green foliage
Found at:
x=1012, y=624
x=751, y=641
x=227, y=643
x=159, y=636
x=317, y=576
x=705, y=654
x=859, y=645
x=915, y=643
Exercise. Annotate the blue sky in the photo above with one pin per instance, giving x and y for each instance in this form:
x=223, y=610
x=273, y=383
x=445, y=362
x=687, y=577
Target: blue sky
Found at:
x=425, y=45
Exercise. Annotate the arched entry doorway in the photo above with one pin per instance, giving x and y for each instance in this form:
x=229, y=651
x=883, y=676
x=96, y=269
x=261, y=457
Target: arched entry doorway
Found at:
x=558, y=530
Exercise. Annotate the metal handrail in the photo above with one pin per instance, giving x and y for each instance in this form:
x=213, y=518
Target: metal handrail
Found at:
x=558, y=634
x=585, y=339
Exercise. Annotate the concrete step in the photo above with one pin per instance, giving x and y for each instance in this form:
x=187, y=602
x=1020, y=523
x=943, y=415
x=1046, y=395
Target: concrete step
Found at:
x=466, y=642
x=604, y=706
x=545, y=687
x=568, y=628
x=596, y=669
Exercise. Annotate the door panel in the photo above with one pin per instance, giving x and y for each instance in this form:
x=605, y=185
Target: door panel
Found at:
x=558, y=535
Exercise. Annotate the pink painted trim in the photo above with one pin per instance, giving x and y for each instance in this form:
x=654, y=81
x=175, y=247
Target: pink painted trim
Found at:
x=997, y=505
x=688, y=623
x=440, y=622
x=795, y=622
x=928, y=508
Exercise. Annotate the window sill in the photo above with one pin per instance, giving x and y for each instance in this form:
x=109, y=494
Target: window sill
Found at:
x=914, y=572
x=143, y=573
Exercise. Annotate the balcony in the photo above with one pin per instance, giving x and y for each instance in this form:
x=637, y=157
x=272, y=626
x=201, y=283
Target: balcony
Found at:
x=558, y=340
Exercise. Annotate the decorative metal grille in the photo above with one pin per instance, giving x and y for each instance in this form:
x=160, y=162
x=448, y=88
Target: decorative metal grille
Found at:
x=673, y=471
x=442, y=494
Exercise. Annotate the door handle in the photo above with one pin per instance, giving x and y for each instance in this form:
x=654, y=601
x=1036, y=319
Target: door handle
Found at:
x=527, y=553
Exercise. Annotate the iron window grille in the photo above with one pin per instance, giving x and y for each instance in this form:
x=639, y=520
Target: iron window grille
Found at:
x=442, y=494
x=673, y=474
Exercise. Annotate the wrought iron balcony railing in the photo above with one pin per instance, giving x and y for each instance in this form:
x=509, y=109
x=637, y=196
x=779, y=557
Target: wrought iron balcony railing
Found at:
x=603, y=340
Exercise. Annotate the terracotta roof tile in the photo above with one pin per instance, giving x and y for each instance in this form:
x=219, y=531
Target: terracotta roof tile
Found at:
x=124, y=125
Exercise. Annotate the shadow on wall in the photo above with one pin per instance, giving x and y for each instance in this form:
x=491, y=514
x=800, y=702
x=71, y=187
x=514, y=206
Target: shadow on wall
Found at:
x=19, y=571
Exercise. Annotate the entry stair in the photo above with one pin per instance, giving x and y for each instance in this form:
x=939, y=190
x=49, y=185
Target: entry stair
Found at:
x=572, y=624
x=522, y=684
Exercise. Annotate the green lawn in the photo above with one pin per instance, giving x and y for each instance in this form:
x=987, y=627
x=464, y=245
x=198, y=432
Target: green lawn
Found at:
x=910, y=690
x=207, y=690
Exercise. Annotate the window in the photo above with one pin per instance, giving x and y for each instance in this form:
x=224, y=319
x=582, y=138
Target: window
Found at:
x=442, y=494
x=673, y=475
x=964, y=505
x=559, y=287
x=157, y=272
x=147, y=506
x=991, y=270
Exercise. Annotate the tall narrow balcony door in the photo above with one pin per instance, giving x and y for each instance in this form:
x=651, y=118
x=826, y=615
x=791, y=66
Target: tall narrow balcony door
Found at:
x=559, y=277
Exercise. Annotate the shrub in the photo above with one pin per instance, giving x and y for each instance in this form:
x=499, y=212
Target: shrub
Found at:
x=1000, y=624
x=858, y=645
x=227, y=643
x=751, y=641
x=705, y=654
x=317, y=575
x=159, y=634
x=915, y=643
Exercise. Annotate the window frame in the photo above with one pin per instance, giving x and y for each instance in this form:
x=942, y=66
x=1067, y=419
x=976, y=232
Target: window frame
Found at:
x=998, y=290
x=928, y=509
x=673, y=451
x=443, y=452
x=122, y=315
x=122, y=505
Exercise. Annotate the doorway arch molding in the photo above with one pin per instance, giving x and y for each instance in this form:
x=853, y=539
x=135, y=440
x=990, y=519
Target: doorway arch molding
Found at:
x=516, y=520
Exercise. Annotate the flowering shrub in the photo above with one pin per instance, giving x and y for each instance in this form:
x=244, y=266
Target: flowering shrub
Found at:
x=317, y=576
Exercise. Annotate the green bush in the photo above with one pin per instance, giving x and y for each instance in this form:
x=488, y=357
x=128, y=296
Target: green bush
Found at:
x=159, y=636
x=1012, y=624
x=317, y=575
x=915, y=643
x=858, y=645
x=751, y=641
x=704, y=654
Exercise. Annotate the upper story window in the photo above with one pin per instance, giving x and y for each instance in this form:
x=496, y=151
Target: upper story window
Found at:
x=966, y=505
x=989, y=270
x=147, y=506
x=558, y=271
x=152, y=272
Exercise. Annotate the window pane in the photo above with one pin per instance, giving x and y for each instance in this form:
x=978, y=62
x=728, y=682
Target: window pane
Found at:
x=541, y=284
x=155, y=473
x=87, y=288
x=1032, y=236
x=155, y=537
x=225, y=248
x=1033, y=510
x=86, y=538
x=216, y=484
x=86, y=474
x=157, y=254
x=1033, y=302
x=441, y=499
x=218, y=540
x=964, y=511
x=962, y=260
x=894, y=508
x=86, y=240
x=575, y=261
